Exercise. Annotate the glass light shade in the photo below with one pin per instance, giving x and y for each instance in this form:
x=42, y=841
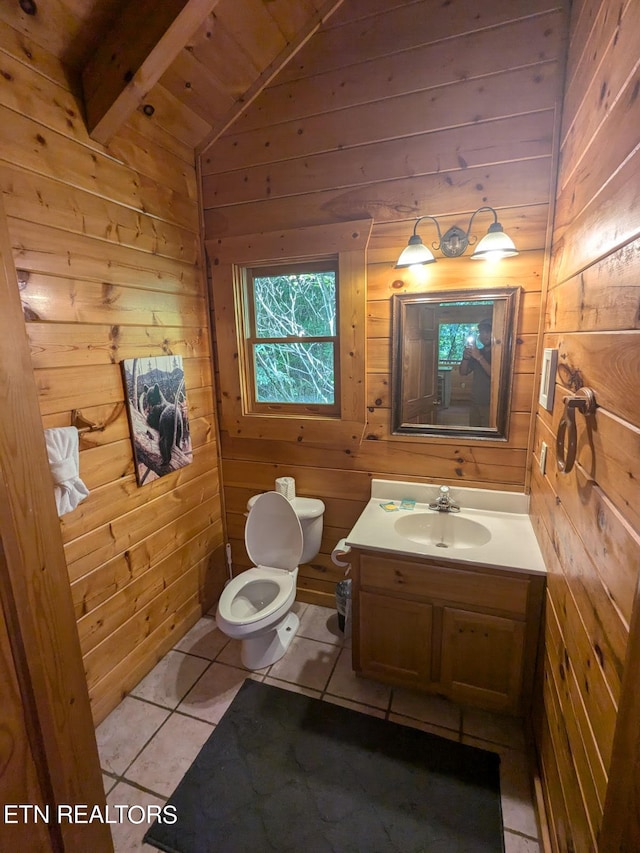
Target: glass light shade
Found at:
x=494, y=245
x=415, y=253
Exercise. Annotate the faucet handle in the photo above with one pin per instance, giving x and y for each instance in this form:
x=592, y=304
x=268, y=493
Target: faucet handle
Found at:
x=443, y=502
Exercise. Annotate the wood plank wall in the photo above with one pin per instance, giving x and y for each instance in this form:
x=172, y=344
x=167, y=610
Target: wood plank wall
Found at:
x=588, y=521
x=393, y=110
x=106, y=245
x=51, y=704
x=20, y=783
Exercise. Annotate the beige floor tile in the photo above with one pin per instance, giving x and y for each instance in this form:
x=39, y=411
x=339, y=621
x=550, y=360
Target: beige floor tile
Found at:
x=205, y=639
x=164, y=761
x=355, y=706
x=484, y=744
x=171, y=679
x=299, y=608
x=497, y=728
x=125, y=731
x=232, y=656
x=450, y=734
x=128, y=834
x=320, y=623
x=516, y=792
x=294, y=688
x=430, y=709
x=518, y=810
x=344, y=682
x=518, y=844
x=108, y=782
x=213, y=694
x=307, y=663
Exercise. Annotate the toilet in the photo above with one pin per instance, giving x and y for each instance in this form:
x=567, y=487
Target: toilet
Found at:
x=255, y=606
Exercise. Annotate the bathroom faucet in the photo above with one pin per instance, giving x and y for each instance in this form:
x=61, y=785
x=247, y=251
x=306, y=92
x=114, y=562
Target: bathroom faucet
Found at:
x=443, y=502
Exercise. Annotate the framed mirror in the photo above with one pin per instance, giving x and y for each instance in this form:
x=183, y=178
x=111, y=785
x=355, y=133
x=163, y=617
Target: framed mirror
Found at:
x=452, y=362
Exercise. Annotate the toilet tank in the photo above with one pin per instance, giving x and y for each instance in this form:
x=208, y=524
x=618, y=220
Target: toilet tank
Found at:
x=310, y=512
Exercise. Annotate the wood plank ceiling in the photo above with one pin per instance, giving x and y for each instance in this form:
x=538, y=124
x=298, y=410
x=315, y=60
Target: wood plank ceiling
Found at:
x=194, y=68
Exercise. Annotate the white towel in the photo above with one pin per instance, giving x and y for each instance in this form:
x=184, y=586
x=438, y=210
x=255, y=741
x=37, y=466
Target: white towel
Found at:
x=62, y=450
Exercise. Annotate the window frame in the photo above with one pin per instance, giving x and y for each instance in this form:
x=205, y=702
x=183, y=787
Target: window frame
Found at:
x=251, y=404
x=227, y=256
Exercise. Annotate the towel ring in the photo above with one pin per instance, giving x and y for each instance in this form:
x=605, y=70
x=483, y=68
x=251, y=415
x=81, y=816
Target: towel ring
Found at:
x=584, y=401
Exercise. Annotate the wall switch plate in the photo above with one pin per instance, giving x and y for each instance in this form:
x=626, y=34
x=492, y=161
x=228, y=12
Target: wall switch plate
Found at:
x=543, y=457
x=548, y=378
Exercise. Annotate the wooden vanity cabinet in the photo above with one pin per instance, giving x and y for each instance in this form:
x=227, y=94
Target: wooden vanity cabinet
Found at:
x=395, y=638
x=482, y=659
x=465, y=633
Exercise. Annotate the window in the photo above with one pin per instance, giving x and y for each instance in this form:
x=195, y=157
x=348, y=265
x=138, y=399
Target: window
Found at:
x=452, y=339
x=292, y=357
x=317, y=394
x=453, y=336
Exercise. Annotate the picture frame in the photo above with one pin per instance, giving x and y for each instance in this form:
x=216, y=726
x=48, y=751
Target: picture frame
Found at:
x=158, y=415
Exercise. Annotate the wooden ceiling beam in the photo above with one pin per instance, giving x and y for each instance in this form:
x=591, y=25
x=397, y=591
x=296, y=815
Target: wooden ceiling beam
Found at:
x=285, y=56
x=136, y=52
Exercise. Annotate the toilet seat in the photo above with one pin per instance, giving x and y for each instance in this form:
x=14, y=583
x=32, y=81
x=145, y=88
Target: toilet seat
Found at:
x=232, y=594
x=273, y=534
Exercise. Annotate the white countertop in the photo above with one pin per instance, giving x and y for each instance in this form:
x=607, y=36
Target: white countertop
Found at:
x=512, y=545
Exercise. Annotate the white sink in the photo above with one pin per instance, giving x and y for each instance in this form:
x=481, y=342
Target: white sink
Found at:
x=492, y=528
x=442, y=529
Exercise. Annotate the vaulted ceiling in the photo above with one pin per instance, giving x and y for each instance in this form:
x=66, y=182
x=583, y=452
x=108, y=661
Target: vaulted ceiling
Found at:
x=194, y=65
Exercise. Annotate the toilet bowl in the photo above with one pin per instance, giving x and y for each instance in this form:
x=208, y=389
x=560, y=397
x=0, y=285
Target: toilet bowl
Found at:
x=255, y=607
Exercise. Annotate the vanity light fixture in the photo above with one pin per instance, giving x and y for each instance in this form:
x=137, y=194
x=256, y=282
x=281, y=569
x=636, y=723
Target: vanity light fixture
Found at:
x=494, y=245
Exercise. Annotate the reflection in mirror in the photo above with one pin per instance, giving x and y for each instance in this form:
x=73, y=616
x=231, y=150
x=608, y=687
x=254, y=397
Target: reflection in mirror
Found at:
x=453, y=361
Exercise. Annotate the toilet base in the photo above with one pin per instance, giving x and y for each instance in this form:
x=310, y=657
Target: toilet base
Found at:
x=258, y=652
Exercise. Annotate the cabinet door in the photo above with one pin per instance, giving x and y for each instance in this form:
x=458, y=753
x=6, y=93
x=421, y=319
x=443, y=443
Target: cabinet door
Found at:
x=482, y=659
x=395, y=639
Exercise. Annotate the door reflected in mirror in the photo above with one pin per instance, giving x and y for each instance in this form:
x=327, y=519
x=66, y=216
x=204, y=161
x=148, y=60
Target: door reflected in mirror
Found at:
x=452, y=362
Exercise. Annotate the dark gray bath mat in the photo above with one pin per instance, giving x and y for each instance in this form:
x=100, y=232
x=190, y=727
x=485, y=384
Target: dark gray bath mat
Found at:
x=285, y=772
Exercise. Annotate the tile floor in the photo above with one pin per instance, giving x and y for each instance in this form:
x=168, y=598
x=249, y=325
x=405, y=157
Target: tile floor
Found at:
x=148, y=742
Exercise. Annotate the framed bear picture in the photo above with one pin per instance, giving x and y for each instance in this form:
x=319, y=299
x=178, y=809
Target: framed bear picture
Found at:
x=158, y=415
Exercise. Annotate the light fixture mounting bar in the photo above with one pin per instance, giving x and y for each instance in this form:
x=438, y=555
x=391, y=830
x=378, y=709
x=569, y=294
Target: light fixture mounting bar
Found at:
x=454, y=242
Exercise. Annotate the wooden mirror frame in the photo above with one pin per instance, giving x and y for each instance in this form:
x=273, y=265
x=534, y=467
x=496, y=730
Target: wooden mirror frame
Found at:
x=506, y=300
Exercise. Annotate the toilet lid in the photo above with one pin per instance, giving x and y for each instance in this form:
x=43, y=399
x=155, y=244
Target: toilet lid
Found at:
x=273, y=534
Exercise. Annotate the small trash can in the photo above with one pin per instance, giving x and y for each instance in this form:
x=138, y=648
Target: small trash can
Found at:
x=343, y=603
